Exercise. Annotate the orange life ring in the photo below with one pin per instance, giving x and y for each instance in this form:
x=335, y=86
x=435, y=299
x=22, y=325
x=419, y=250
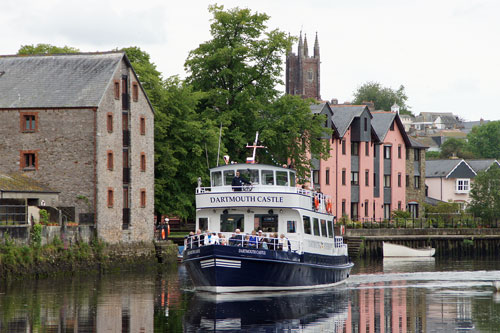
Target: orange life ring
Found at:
x=316, y=202
x=329, y=206
x=163, y=233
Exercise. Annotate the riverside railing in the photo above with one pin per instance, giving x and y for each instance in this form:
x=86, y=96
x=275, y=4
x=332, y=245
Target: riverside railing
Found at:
x=421, y=223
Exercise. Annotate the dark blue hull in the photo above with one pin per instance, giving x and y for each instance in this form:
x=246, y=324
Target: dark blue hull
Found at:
x=219, y=268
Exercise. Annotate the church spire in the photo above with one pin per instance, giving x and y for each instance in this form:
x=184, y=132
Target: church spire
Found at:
x=306, y=49
x=316, y=47
x=301, y=50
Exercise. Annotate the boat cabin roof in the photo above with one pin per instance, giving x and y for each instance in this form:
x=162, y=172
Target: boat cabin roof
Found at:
x=244, y=166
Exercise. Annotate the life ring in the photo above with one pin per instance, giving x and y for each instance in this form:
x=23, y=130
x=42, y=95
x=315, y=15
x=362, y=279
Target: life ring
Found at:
x=316, y=202
x=329, y=206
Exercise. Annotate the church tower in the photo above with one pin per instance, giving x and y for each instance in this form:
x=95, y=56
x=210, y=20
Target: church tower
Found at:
x=302, y=71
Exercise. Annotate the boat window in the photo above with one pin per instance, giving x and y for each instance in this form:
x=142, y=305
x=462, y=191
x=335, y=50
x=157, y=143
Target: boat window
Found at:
x=217, y=178
x=231, y=222
x=316, y=226
x=307, y=224
x=267, y=177
x=203, y=223
x=266, y=222
x=291, y=226
x=250, y=175
x=292, y=179
x=282, y=178
x=323, y=228
x=228, y=177
x=330, y=229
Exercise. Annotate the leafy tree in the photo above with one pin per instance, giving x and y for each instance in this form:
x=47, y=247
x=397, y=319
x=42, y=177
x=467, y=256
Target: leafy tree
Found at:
x=382, y=97
x=432, y=155
x=485, y=195
x=45, y=49
x=455, y=147
x=239, y=69
x=183, y=145
x=289, y=130
x=484, y=140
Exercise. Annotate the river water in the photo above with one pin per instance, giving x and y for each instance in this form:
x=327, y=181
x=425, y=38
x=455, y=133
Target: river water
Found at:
x=428, y=295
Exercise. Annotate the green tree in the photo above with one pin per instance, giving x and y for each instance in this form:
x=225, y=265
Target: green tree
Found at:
x=455, y=147
x=45, y=49
x=382, y=97
x=184, y=144
x=484, y=140
x=239, y=69
x=485, y=195
x=290, y=131
x=432, y=155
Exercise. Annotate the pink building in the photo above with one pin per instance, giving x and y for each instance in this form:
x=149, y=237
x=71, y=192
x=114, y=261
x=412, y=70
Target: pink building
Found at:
x=366, y=170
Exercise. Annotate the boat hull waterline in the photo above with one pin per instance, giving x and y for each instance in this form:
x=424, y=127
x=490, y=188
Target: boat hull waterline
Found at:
x=219, y=268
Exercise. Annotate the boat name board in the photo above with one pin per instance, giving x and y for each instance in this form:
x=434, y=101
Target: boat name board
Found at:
x=249, y=251
x=190, y=252
x=248, y=198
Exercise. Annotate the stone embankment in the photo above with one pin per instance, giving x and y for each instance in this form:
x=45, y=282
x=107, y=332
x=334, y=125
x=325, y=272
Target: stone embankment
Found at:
x=465, y=242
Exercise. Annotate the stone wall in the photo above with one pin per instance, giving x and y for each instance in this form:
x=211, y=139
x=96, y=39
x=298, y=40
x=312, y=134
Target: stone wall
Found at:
x=412, y=193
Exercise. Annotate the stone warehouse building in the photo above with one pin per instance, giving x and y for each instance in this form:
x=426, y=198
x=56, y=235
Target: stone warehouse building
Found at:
x=83, y=125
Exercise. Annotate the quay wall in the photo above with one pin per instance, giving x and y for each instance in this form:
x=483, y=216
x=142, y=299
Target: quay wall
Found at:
x=457, y=243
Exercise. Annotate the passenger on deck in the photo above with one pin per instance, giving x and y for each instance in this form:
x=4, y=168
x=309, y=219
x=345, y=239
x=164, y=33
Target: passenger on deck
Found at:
x=188, y=240
x=237, y=238
x=222, y=239
x=273, y=242
x=284, y=243
x=238, y=182
x=253, y=240
x=215, y=239
x=208, y=238
x=264, y=241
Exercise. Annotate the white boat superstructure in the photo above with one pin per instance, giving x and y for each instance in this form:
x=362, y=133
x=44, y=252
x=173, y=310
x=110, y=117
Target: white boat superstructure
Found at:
x=395, y=250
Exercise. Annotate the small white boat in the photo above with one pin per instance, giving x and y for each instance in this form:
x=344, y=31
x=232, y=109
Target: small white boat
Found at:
x=395, y=250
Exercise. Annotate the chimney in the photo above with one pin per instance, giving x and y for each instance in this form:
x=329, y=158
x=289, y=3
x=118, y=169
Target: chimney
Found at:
x=371, y=105
x=334, y=101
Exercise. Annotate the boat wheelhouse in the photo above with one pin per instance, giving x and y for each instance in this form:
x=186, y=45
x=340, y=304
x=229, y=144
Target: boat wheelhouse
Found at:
x=290, y=217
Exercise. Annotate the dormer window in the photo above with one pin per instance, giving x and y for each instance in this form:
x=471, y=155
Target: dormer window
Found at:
x=462, y=185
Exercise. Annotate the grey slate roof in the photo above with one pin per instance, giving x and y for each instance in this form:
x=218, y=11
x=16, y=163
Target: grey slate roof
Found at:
x=444, y=168
x=18, y=182
x=416, y=144
x=481, y=165
x=317, y=108
x=381, y=122
x=468, y=125
x=50, y=81
x=344, y=115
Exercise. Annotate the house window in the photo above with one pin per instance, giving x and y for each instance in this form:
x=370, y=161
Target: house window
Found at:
x=143, y=162
x=143, y=198
x=109, y=122
x=111, y=195
x=462, y=185
x=399, y=180
x=417, y=181
x=135, y=91
x=387, y=211
x=354, y=178
x=343, y=207
x=367, y=148
x=125, y=197
x=355, y=148
x=416, y=154
x=407, y=181
x=399, y=151
x=375, y=179
x=29, y=160
x=366, y=124
x=29, y=121
x=387, y=180
x=399, y=205
x=327, y=176
x=315, y=177
x=110, y=160
x=367, y=178
x=343, y=176
x=366, y=208
x=117, y=89
x=387, y=152
x=343, y=146
x=354, y=211
x=143, y=126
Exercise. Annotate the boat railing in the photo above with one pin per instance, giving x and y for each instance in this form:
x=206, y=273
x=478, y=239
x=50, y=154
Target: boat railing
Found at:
x=245, y=241
x=339, y=246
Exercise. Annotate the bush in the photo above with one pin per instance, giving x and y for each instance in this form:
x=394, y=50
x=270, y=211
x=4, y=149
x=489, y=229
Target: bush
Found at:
x=44, y=216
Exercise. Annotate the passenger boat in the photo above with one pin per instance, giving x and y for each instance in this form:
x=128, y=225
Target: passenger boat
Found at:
x=306, y=254
x=395, y=250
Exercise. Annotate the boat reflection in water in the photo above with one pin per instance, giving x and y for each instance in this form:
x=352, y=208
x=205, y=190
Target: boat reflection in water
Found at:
x=306, y=310
x=409, y=264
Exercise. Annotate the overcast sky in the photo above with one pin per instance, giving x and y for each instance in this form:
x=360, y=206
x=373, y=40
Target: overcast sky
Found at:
x=445, y=52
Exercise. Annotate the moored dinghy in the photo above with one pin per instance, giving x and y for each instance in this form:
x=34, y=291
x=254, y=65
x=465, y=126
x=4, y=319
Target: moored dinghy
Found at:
x=396, y=250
